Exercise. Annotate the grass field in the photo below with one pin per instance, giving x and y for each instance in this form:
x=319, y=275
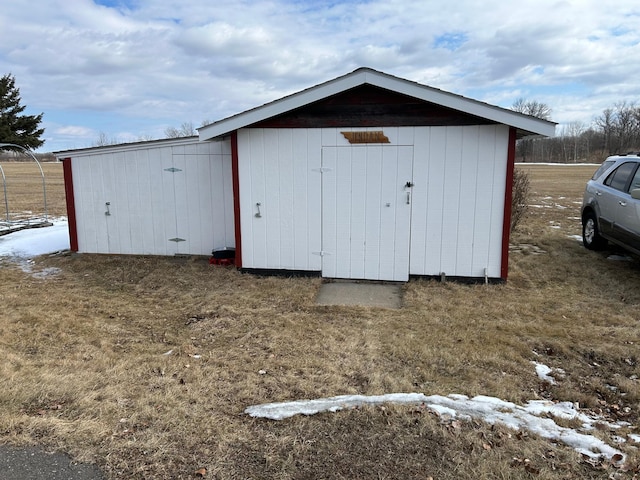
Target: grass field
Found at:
x=25, y=193
x=85, y=366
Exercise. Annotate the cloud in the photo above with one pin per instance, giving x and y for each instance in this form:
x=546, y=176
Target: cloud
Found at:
x=221, y=38
x=163, y=61
x=73, y=131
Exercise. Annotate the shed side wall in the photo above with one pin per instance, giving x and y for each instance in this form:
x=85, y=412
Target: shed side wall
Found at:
x=162, y=201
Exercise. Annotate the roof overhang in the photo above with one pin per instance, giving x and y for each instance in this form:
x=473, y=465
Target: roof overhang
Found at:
x=525, y=125
x=121, y=147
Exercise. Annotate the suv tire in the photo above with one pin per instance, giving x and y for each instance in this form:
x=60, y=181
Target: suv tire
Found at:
x=591, y=234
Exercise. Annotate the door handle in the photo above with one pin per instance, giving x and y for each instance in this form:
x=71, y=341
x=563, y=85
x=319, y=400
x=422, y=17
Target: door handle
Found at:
x=622, y=204
x=408, y=198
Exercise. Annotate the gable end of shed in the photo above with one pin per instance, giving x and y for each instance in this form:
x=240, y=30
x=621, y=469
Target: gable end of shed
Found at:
x=370, y=106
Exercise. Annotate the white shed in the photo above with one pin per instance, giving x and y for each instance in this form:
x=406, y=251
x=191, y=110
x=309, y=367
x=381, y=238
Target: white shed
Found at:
x=367, y=176
x=164, y=197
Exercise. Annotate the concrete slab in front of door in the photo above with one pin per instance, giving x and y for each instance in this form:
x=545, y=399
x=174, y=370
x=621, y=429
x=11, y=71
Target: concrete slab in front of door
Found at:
x=348, y=293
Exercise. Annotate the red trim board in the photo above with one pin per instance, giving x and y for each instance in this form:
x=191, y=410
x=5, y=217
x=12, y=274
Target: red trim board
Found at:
x=506, y=222
x=236, y=197
x=71, y=204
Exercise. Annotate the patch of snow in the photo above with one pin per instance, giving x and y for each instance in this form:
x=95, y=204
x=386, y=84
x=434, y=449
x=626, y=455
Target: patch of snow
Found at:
x=566, y=410
x=488, y=409
x=634, y=438
x=21, y=246
x=576, y=237
x=32, y=242
x=26, y=265
x=545, y=373
x=280, y=411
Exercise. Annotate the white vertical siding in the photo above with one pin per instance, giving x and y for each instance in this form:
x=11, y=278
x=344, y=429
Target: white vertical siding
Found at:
x=458, y=202
x=279, y=168
x=150, y=205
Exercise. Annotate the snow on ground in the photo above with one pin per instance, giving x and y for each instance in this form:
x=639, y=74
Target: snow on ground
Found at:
x=21, y=246
x=36, y=241
x=530, y=417
x=537, y=416
x=546, y=373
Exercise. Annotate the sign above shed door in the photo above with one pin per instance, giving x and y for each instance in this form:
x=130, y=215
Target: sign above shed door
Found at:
x=366, y=211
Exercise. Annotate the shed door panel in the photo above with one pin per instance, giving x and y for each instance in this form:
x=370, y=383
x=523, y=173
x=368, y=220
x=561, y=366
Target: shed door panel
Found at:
x=366, y=212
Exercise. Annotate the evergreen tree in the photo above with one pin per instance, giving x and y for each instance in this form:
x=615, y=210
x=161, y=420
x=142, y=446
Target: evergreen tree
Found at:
x=16, y=128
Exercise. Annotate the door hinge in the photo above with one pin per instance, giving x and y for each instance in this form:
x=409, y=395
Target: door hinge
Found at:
x=172, y=169
x=322, y=169
x=321, y=253
x=177, y=239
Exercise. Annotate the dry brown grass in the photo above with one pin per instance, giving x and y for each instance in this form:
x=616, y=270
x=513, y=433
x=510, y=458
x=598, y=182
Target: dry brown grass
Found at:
x=85, y=372
x=25, y=192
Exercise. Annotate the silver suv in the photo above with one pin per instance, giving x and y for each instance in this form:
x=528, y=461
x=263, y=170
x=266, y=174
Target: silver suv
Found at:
x=611, y=205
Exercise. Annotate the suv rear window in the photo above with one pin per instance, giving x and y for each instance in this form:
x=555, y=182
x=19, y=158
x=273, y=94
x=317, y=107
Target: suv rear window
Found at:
x=605, y=165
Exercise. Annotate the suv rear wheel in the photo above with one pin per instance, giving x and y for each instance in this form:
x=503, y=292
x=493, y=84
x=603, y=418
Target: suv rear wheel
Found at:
x=590, y=234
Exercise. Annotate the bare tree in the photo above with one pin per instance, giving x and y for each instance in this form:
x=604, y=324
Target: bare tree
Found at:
x=104, y=140
x=533, y=108
x=526, y=147
x=186, y=130
x=605, y=122
x=620, y=127
x=572, y=141
x=626, y=127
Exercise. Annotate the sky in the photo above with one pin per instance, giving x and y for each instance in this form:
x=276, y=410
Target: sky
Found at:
x=126, y=70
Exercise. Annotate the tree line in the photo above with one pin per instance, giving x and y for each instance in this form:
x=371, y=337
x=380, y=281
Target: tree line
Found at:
x=616, y=130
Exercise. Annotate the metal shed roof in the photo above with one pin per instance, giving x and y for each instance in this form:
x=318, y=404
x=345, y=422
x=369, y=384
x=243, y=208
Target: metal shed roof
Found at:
x=526, y=125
